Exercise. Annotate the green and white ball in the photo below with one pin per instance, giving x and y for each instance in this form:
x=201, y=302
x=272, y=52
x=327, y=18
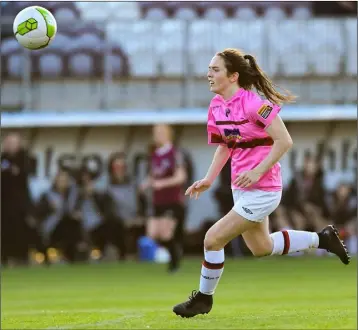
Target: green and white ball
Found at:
x=34, y=27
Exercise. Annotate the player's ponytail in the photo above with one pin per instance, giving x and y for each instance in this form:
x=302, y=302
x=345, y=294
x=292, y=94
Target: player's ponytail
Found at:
x=251, y=75
x=265, y=86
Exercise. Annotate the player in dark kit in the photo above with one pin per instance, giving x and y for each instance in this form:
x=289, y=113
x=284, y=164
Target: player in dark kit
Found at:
x=166, y=178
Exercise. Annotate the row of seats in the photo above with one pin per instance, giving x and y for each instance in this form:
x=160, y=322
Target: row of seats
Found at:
x=292, y=48
x=92, y=10
x=172, y=48
x=222, y=10
x=193, y=10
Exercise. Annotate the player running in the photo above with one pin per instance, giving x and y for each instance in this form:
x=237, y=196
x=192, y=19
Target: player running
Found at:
x=250, y=131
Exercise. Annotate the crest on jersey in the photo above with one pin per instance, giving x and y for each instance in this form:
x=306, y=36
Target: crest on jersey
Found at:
x=232, y=134
x=265, y=111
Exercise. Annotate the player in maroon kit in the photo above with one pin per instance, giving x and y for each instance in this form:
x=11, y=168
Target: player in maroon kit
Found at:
x=166, y=178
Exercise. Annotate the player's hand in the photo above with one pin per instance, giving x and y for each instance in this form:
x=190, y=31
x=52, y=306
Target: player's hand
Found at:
x=157, y=184
x=198, y=187
x=247, y=178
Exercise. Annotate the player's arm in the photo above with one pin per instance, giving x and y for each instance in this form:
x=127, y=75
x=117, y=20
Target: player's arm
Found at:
x=221, y=156
x=222, y=153
x=282, y=142
x=177, y=179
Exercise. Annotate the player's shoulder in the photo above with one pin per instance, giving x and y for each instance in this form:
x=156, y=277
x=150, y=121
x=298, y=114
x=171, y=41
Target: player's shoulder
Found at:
x=250, y=97
x=215, y=101
x=252, y=101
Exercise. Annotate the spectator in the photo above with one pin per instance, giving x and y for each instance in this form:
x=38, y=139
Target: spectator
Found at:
x=15, y=199
x=90, y=205
x=120, y=202
x=305, y=197
x=60, y=217
x=342, y=205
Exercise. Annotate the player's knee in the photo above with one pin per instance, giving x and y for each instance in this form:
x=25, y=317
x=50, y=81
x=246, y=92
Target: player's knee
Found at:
x=211, y=243
x=166, y=235
x=262, y=250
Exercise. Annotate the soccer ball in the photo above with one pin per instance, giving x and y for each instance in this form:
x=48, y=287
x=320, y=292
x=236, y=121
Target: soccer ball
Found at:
x=34, y=27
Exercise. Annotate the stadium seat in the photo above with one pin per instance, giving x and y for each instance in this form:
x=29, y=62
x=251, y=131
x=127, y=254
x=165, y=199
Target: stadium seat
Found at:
x=215, y=13
x=351, y=42
x=61, y=41
x=156, y=13
x=124, y=10
x=245, y=13
x=274, y=13
x=118, y=62
x=92, y=10
x=121, y=33
x=14, y=64
x=288, y=49
x=50, y=63
x=89, y=39
x=301, y=12
x=170, y=47
x=245, y=35
x=201, y=45
x=65, y=14
x=9, y=45
x=326, y=52
x=85, y=61
x=185, y=13
x=203, y=6
x=143, y=59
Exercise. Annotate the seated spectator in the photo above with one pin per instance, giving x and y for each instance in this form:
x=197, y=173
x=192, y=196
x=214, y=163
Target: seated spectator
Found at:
x=59, y=217
x=90, y=205
x=305, y=198
x=119, y=202
x=342, y=207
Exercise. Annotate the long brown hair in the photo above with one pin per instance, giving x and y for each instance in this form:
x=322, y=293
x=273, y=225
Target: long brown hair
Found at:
x=251, y=75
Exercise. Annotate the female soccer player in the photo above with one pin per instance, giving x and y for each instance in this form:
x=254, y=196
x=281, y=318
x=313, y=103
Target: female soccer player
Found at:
x=250, y=131
x=167, y=176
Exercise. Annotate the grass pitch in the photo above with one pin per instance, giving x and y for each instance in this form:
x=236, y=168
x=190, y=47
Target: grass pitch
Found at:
x=268, y=293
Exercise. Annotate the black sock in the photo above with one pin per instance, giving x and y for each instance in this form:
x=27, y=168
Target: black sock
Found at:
x=320, y=241
x=173, y=250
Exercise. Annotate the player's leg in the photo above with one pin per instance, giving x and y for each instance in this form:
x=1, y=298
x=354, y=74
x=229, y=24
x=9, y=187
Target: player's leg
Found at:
x=258, y=239
x=261, y=243
x=167, y=228
x=257, y=204
x=153, y=228
x=222, y=232
x=169, y=224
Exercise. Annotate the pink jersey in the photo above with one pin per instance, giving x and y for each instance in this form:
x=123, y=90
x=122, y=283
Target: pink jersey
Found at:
x=240, y=124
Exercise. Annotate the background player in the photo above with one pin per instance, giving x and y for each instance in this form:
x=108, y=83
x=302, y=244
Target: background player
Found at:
x=250, y=131
x=166, y=178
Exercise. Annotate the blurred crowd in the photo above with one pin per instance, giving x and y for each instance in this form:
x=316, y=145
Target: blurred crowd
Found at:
x=80, y=220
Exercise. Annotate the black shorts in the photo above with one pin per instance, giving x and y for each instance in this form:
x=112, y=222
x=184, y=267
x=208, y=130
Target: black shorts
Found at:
x=175, y=211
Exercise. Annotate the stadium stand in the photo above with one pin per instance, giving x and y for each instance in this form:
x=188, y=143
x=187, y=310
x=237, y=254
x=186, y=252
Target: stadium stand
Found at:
x=161, y=41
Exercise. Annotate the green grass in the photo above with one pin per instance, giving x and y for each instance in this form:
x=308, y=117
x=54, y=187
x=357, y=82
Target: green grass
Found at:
x=268, y=293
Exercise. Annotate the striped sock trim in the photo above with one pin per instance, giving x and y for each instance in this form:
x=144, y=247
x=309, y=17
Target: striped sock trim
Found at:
x=209, y=265
x=286, y=239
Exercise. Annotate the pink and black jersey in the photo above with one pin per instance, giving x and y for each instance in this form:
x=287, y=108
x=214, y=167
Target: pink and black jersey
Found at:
x=164, y=162
x=240, y=124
